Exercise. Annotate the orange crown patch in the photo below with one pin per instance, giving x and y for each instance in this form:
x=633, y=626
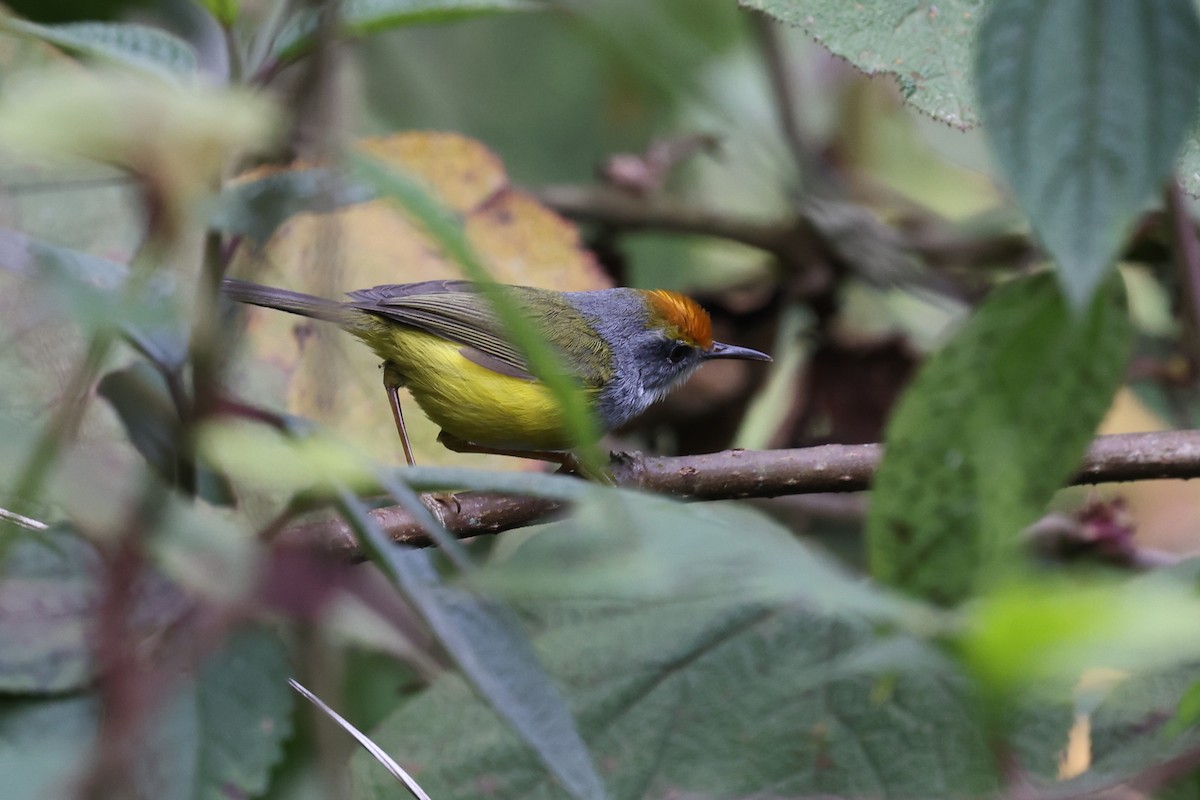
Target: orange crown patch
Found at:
x=682, y=317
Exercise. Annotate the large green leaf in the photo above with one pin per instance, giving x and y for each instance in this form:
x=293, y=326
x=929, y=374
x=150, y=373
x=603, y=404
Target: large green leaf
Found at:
x=994, y=423
x=1086, y=104
x=147, y=49
x=704, y=650
x=926, y=46
x=243, y=712
x=365, y=17
x=627, y=546
x=708, y=699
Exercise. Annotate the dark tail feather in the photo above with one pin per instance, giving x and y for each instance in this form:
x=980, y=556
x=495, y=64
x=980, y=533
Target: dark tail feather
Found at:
x=306, y=305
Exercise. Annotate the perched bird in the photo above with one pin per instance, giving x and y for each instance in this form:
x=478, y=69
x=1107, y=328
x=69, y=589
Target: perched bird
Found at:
x=443, y=342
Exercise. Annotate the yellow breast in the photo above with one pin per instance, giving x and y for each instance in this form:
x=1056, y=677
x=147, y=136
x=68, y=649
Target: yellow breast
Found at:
x=469, y=401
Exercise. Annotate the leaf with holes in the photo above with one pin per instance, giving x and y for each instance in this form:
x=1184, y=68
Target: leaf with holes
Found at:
x=1086, y=104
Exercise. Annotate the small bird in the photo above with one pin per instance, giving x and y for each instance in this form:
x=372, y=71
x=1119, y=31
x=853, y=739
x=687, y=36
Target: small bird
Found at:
x=442, y=341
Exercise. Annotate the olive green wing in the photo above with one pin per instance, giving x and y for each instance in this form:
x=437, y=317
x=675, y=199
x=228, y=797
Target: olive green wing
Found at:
x=453, y=310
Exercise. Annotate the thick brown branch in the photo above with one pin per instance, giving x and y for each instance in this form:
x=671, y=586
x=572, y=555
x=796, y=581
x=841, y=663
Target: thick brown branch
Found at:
x=745, y=473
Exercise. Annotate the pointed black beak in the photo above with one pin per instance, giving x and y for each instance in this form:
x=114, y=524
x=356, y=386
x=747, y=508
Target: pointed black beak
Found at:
x=719, y=350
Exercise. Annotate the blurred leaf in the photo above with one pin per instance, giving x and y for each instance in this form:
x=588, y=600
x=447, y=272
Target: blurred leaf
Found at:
x=91, y=292
x=993, y=424
x=147, y=49
x=926, y=46
x=49, y=595
x=256, y=206
x=535, y=484
x=625, y=546
x=1188, y=713
x=45, y=744
x=140, y=396
x=712, y=698
x=1188, y=166
x=243, y=708
x=216, y=736
x=254, y=453
x=105, y=116
x=1086, y=103
x=488, y=646
x=1034, y=632
x=225, y=11
x=365, y=17
x=1131, y=736
x=208, y=551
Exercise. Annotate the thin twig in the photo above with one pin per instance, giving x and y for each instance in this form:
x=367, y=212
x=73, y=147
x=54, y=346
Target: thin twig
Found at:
x=375, y=750
x=22, y=520
x=746, y=473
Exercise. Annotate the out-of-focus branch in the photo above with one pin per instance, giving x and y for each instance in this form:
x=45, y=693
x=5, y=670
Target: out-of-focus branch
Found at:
x=745, y=473
x=795, y=242
x=783, y=89
x=1186, y=249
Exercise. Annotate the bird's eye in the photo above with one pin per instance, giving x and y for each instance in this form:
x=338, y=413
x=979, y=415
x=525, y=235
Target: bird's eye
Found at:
x=678, y=353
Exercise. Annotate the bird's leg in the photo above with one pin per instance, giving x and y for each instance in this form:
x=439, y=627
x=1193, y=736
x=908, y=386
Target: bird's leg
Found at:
x=392, y=383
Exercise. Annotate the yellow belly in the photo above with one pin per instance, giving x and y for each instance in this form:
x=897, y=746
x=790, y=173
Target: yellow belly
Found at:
x=469, y=401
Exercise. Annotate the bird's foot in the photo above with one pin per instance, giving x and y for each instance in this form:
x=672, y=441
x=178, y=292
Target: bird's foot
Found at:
x=441, y=502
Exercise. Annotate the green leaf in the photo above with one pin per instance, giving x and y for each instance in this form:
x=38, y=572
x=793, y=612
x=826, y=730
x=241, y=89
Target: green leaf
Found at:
x=146, y=49
x=626, y=546
x=926, y=46
x=1086, y=104
x=217, y=736
x=365, y=17
x=243, y=709
x=44, y=744
x=90, y=291
x=140, y=396
x=258, y=207
x=225, y=11
x=992, y=426
x=1187, y=714
x=50, y=592
x=708, y=698
x=1046, y=632
x=487, y=643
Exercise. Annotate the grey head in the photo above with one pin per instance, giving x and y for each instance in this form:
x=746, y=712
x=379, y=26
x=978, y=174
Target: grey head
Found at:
x=650, y=356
